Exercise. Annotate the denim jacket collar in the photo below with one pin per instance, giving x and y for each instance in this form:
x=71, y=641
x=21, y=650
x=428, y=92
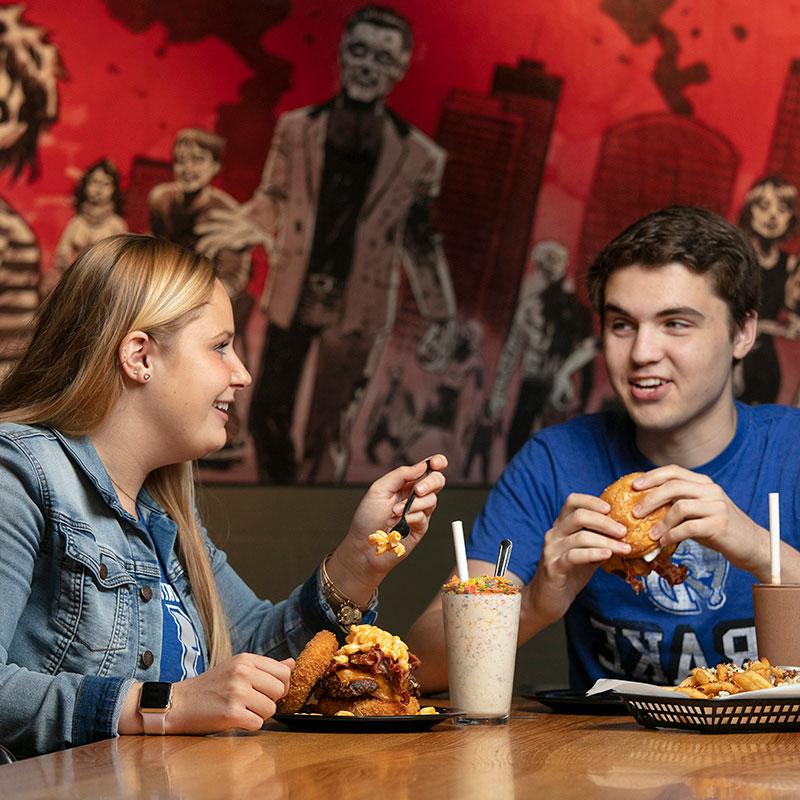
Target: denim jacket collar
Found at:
x=86, y=457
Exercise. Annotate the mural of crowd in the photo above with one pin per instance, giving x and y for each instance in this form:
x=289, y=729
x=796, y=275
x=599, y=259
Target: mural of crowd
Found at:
x=386, y=326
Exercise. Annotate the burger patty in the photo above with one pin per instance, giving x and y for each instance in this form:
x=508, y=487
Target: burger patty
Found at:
x=333, y=687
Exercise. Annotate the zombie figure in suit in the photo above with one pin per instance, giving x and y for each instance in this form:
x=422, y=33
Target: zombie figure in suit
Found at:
x=29, y=70
x=344, y=203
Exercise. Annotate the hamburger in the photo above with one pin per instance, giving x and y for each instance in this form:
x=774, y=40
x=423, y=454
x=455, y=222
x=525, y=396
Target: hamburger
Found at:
x=646, y=555
x=371, y=675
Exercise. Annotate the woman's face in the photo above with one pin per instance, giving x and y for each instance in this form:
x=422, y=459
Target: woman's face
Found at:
x=194, y=382
x=99, y=187
x=771, y=213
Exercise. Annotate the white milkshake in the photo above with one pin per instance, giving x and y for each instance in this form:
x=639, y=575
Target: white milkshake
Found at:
x=481, y=621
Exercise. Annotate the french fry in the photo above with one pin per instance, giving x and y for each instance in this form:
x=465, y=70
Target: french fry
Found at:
x=690, y=691
x=700, y=676
x=750, y=680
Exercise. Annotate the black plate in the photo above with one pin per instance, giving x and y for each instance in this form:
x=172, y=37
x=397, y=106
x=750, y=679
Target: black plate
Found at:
x=343, y=724
x=569, y=701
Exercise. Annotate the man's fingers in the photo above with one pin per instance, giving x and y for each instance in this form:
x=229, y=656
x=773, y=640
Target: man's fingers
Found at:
x=575, y=501
x=596, y=521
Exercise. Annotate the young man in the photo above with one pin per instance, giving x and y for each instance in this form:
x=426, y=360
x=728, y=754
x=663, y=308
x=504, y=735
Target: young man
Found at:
x=676, y=293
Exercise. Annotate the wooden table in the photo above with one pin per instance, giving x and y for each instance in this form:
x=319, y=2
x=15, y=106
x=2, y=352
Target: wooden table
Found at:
x=538, y=754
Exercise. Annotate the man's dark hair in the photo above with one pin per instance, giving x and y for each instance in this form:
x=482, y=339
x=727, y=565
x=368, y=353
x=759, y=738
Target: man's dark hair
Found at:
x=384, y=17
x=701, y=240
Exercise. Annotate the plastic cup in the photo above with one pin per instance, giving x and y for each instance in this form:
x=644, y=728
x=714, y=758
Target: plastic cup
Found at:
x=481, y=636
x=776, y=607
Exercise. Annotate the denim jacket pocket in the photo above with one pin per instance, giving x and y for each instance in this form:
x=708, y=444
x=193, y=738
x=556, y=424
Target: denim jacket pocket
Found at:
x=95, y=599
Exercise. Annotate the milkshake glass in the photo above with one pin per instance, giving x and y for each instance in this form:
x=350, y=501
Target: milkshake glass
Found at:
x=481, y=622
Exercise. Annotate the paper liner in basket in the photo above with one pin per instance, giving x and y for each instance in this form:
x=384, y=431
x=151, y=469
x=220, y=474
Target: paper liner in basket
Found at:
x=789, y=690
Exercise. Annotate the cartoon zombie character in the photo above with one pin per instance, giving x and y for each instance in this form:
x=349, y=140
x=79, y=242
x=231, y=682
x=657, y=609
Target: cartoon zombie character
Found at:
x=344, y=202
x=548, y=325
x=98, y=213
x=769, y=215
x=29, y=69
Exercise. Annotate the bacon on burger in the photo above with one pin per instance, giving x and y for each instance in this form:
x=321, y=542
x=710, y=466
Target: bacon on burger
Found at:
x=371, y=675
x=646, y=555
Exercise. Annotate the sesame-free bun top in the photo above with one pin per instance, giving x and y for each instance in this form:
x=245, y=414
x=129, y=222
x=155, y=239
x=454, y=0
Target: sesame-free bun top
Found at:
x=622, y=498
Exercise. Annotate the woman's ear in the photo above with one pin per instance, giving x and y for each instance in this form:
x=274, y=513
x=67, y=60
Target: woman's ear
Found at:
x=134, y=356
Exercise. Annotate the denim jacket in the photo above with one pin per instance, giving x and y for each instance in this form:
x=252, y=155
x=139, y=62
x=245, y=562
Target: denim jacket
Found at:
x=77, y=621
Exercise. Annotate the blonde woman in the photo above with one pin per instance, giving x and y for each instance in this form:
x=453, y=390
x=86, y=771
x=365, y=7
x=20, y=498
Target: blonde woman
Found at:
x=119, y=615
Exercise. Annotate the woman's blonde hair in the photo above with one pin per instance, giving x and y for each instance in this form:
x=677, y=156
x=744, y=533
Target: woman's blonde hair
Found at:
x=70, y=379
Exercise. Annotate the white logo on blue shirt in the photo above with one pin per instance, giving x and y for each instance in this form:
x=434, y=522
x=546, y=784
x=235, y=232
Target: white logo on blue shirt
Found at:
x=181, y=656
x=703, y=587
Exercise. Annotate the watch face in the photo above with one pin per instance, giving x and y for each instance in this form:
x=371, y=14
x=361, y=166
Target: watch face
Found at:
x=155, y=694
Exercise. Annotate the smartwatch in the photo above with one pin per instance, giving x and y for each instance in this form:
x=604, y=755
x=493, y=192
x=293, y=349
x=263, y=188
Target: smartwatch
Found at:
x=154, y=703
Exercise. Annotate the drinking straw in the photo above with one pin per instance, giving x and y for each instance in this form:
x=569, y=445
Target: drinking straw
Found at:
x=461, y=553
x=775, y=537
x=503, y=555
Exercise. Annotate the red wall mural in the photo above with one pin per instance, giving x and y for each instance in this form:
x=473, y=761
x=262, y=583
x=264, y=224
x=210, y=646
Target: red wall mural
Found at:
x=519, y=137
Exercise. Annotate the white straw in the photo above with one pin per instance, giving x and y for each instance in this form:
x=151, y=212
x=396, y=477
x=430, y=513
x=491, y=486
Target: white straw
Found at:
x=774, y=537
x=461, y=553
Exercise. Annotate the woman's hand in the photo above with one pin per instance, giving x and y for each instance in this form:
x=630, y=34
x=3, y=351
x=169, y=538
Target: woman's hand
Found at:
x=582, y=537
x=354, y=567
x=239, y=693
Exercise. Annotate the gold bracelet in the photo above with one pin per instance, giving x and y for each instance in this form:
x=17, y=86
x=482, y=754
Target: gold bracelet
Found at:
x=347, y=612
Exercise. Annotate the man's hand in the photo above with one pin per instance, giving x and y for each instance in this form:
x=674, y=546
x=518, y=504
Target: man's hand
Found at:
x=582, y=537
x=702, y=511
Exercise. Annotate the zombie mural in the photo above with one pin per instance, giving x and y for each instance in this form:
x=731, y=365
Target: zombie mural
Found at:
x=401, y=207
x=29, y=69
x=344, y=201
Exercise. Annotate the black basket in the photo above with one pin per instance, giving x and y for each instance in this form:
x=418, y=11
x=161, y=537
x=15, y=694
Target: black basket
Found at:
x=715, y=716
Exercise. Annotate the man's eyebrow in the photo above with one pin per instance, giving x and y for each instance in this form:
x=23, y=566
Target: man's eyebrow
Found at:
x=676, y=311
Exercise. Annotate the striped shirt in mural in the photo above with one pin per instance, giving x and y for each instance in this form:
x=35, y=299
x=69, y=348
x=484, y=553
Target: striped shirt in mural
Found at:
x=19, y=285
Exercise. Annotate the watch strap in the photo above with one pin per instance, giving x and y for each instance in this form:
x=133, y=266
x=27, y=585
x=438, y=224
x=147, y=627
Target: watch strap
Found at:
x=154, y=722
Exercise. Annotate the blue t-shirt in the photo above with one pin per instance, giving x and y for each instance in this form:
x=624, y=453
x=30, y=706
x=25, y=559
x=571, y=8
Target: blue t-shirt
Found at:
x=660, y=634
x=181, y=654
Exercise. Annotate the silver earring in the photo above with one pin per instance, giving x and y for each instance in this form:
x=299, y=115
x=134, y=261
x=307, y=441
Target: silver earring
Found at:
x=146, y=376
x=136, y=373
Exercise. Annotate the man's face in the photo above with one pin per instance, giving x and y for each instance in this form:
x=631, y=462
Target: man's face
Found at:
x=193, y=166
x=668, y=349
x=771, y=213
x=12, y=98
x=372, y=61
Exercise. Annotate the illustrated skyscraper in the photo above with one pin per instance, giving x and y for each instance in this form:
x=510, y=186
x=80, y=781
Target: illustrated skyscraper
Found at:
x=653, y=161
x=784, y=152
x=496, y=149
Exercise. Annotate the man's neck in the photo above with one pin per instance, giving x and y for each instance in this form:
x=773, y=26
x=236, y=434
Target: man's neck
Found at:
x=694, y=444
